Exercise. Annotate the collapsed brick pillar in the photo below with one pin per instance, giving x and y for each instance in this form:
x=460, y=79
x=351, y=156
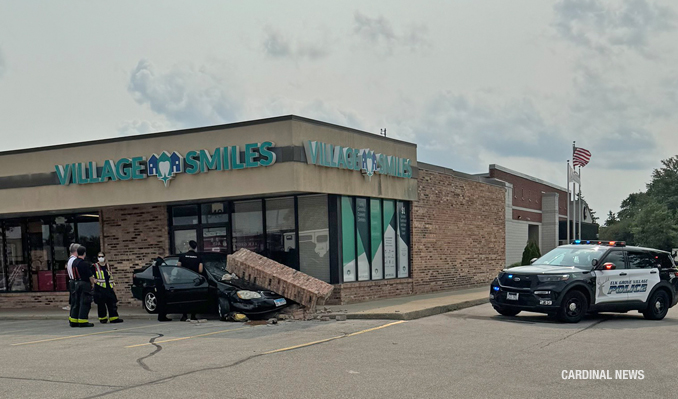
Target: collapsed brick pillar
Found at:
x=266, y=273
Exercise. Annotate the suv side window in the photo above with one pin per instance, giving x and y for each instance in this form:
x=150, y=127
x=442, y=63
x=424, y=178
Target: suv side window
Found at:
x=665, y=261
x=616, y=257
x=641, y=260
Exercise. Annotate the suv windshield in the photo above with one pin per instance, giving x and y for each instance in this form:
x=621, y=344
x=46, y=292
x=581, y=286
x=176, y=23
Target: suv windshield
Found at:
x=572, y=256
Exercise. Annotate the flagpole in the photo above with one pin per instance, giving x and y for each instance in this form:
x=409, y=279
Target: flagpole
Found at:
x=581, y=204
x=574, y=193
x=568, y=202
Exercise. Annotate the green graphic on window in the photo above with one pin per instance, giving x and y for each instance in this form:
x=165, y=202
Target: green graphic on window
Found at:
x=376, y=240
x=348, y=238
x=389, y=239
x=362, y=231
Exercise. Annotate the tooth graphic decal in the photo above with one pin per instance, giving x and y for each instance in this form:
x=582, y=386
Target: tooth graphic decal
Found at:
x=165, y=166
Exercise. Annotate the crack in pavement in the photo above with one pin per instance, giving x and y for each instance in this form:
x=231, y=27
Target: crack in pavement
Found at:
x=60, y=382
x=213, y=368
x=158, y=348
x=574, y=333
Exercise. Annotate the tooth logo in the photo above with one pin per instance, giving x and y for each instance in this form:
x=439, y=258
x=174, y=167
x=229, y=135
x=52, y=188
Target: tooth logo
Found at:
x=165, y=166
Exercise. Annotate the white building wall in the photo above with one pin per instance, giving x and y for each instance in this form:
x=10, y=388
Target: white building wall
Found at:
x=516, y=239
x=549, y=218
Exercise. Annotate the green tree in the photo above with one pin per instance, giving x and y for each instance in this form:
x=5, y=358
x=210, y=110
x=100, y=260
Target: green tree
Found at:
x=611, y=219
x=530, y=252
x=655, y=227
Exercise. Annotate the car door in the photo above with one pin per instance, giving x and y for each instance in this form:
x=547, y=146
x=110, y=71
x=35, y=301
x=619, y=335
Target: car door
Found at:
x=184, y=288
x=608, y=282
x=643, y=274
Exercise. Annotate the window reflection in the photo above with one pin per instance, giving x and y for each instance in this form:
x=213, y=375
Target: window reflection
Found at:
x=280, y=235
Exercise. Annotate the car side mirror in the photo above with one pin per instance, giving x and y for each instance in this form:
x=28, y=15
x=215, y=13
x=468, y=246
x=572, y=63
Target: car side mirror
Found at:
x=199, y=280
x=595, y=262
x=533, y=260
x=609, y=266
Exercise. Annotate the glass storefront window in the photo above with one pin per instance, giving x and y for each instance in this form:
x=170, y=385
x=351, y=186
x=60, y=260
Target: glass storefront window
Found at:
x=348, y=239
x=376, y=240
x=280, y=231
x=63, y=235
x=248, y=228
x=88, y=235
x=40, y=254
x=3, y=279
x=215, y=239
x=214, y=213
x=390, y=226
x=314, y=236
x=181, y=239
x=184, y=215
x=17, y=266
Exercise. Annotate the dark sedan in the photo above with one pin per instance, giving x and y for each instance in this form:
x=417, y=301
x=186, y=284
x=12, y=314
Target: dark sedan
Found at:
x=218, y=291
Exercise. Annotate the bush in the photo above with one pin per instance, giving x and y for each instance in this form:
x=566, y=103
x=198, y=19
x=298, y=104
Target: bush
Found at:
x=531, y=251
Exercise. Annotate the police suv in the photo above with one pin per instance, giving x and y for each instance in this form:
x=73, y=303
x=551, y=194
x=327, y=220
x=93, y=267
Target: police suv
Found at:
x=589, y=276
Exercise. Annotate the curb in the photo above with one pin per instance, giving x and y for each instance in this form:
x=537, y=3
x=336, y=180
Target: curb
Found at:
x=415, y=314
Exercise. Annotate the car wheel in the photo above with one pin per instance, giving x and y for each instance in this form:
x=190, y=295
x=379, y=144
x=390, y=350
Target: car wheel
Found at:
x=573, y=307
x=150, y=302
x=224, y=309
x=506, y=311
x=658, y=306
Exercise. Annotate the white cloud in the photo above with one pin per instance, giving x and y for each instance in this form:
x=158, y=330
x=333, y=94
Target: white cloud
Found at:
x=380, y=34
x=610, y=26
x=278, y=45
x=187, y=96
x=134, y=127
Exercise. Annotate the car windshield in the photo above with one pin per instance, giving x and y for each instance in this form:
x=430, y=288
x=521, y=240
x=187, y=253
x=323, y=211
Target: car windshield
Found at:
x=215, y=265
x=572, y=256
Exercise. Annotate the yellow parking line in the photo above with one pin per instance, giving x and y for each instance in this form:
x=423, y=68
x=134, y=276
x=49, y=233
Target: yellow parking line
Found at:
x=333, y=338
x=183, y=338
x=83, y=335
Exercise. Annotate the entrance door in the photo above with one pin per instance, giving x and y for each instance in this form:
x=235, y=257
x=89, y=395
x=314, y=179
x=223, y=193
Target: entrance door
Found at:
x=610, y=283
x=643, y=274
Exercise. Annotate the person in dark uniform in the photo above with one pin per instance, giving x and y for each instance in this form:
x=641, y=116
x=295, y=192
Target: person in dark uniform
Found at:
x=191, y=260
x=104, y=296
x=160, y=290
x=82, y=290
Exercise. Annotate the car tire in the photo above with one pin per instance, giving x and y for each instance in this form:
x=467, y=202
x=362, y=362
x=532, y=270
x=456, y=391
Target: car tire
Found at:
x=224, y=309
x=657, y=306
x=506, y=311
x=573, y=307
x=150, y=302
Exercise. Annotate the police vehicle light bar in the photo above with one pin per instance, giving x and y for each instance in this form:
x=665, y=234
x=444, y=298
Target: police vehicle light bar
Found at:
x=607, y=243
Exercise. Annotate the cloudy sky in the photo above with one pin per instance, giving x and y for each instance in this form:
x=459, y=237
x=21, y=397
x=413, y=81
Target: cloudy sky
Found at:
x=471, y=82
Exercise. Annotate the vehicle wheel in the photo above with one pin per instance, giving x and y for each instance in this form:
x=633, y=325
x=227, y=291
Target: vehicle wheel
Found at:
x=573, y=308
x=224, y=309
x=657, y=306
x=150, y=302
x=506, y=311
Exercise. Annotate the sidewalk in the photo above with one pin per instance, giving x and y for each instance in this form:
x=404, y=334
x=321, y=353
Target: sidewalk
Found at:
x=413, y=307
x=403, y=308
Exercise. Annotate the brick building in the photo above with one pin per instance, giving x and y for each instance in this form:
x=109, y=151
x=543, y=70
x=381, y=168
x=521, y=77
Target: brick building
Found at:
x=351, y=208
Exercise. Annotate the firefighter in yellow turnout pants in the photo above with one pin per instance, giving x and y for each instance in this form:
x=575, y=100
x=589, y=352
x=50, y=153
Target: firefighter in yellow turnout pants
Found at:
x=104, y=296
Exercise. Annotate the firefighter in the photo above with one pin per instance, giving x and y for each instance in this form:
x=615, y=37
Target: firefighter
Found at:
x=82, y=290
x=104, y=296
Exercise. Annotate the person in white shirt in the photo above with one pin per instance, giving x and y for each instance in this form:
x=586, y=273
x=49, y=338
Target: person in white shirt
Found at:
x=73, y=249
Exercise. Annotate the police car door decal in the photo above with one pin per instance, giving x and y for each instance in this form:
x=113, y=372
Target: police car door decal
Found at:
x=608, y=281
x=643, y=275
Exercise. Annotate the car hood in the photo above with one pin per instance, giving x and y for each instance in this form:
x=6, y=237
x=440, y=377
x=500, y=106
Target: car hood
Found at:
x=544, y=269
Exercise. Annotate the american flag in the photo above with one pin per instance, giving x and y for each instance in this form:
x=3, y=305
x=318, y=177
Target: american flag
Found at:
x=581, y=157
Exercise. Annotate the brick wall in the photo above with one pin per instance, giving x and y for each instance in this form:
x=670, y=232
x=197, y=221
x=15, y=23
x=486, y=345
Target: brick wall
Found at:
x=527, y=193
x=131, y=237
x=370, y=290
x=458, y=232
x=34, y=300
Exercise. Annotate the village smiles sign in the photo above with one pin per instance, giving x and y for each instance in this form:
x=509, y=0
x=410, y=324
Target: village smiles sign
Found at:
x=166, y=166
x=364, y=160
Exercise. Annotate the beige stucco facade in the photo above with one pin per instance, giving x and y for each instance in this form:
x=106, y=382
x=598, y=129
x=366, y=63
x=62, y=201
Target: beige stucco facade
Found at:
x=285, y=176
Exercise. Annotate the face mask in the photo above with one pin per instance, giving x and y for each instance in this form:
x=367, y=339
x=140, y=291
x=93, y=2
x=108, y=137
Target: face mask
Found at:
x=101, y=259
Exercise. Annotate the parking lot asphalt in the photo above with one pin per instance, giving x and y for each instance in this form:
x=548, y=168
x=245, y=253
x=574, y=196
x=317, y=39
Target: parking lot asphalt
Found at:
x=469, y=353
